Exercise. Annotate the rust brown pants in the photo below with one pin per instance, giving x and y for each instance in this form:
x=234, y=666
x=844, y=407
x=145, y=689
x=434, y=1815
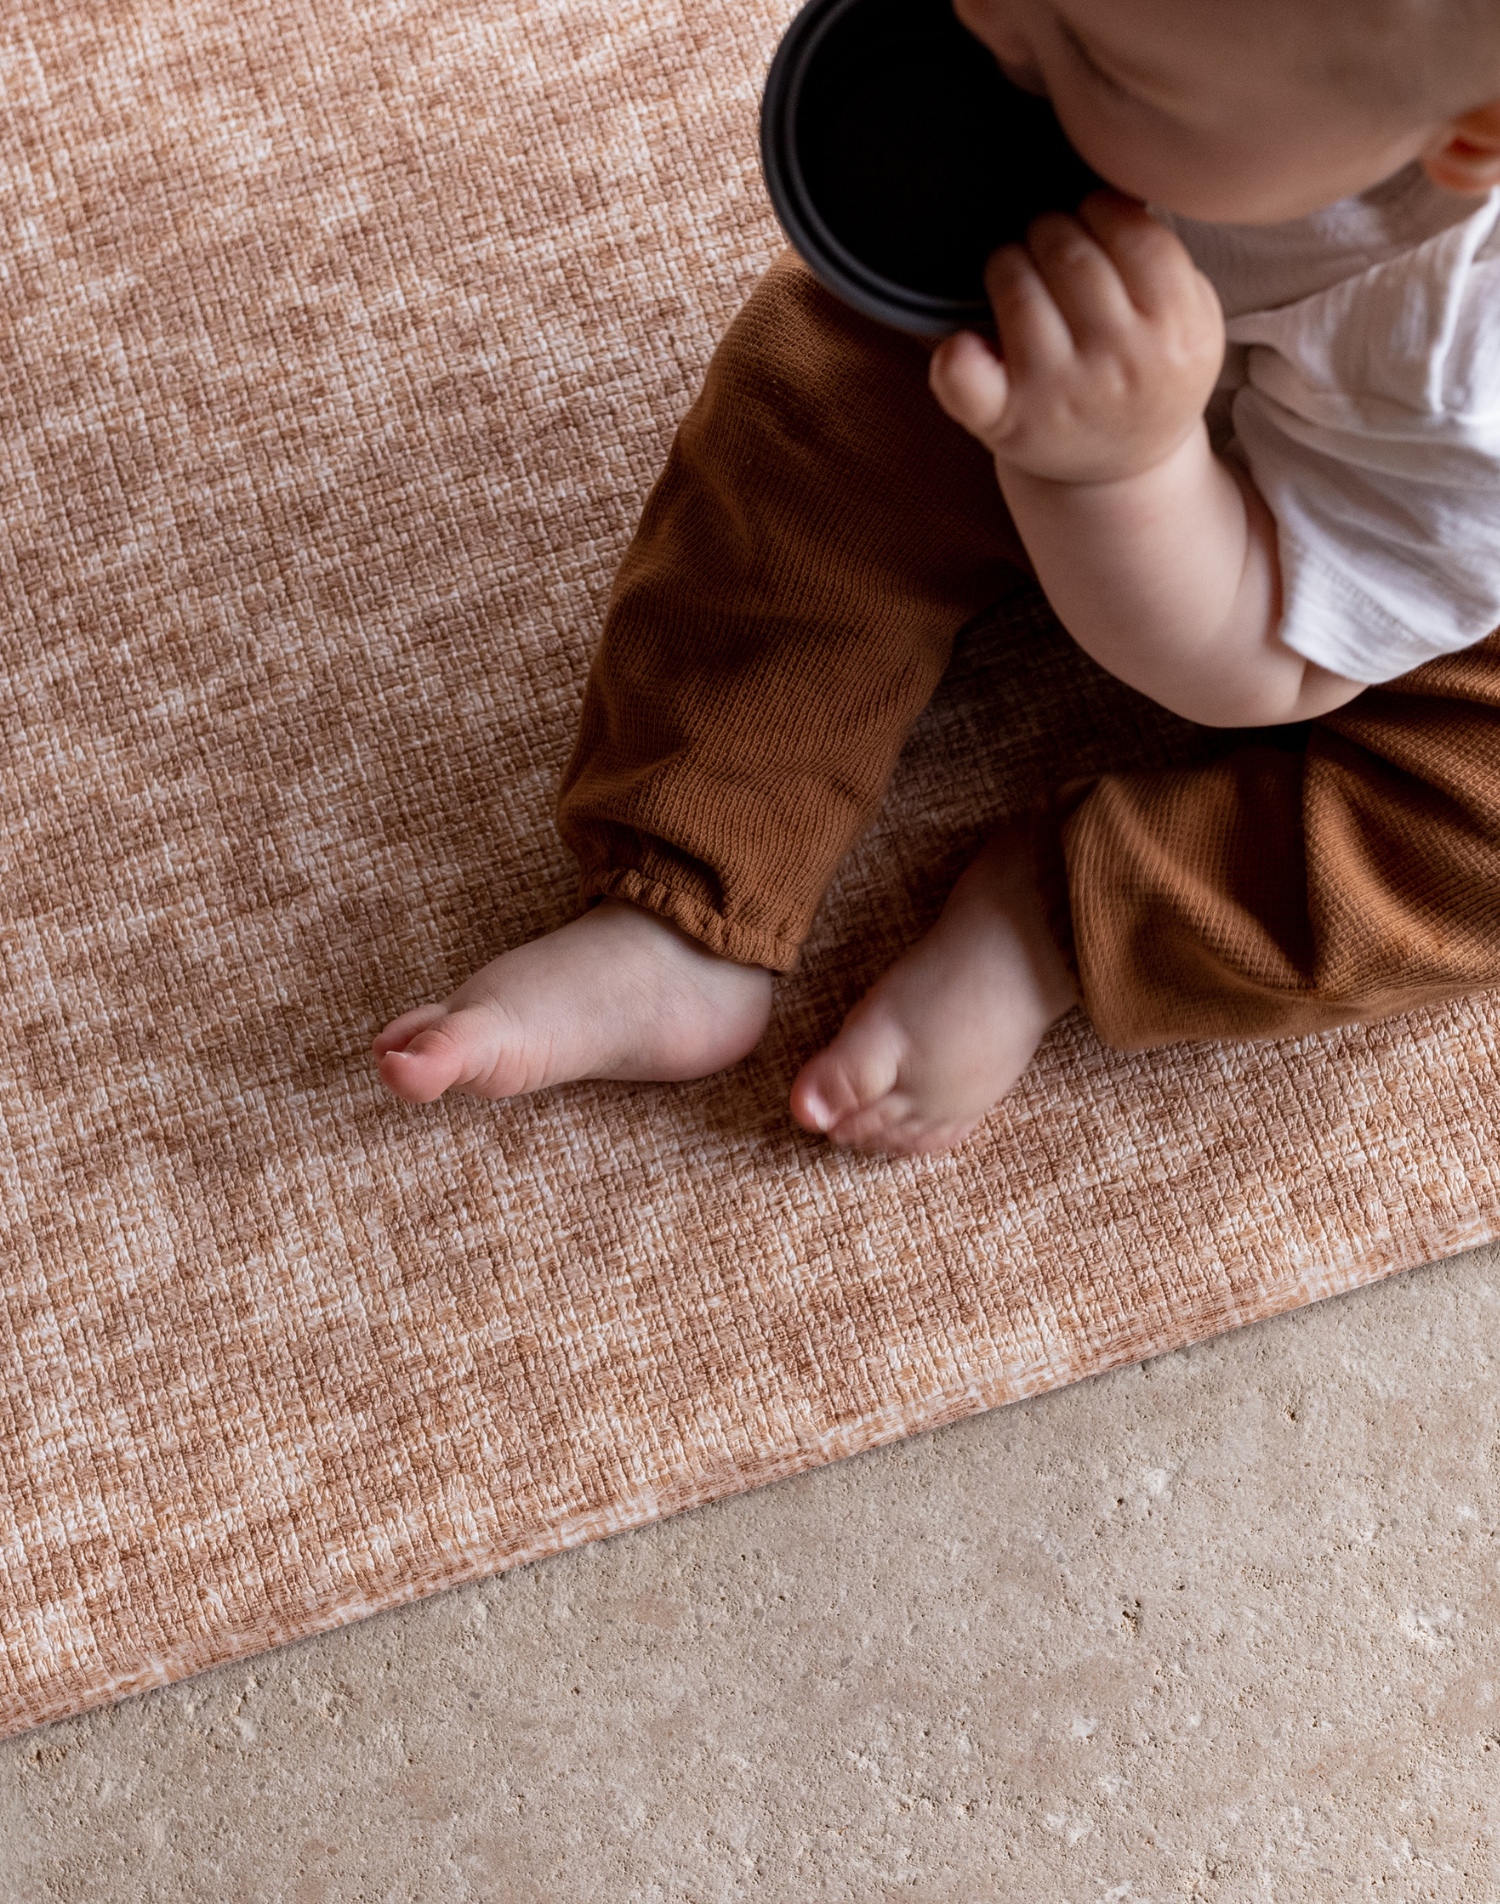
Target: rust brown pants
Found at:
x=788, y=606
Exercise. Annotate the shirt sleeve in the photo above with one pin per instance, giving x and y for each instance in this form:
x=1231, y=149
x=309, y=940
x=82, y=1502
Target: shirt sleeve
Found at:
x=1369, y=420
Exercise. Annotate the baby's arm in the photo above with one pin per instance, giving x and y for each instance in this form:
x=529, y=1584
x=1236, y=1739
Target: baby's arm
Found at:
x=1159, y=559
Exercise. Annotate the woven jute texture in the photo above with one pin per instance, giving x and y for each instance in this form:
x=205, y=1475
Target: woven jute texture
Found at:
x=339, y=344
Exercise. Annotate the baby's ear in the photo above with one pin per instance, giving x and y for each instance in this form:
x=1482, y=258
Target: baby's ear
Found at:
x=1465, y=157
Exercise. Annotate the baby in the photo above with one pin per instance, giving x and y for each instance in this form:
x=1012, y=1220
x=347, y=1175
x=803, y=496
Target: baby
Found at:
x=1253, y=536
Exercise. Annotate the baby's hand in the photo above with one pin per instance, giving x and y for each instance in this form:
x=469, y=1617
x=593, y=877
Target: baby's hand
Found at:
x=1111, y=341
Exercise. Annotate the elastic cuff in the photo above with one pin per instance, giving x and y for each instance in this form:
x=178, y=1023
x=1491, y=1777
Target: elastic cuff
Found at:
x=745, y=945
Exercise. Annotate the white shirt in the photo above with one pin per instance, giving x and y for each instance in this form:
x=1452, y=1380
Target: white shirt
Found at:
x=1361, y=387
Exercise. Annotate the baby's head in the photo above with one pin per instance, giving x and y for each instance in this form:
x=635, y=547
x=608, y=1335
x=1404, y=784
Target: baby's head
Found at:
x=1254, y=111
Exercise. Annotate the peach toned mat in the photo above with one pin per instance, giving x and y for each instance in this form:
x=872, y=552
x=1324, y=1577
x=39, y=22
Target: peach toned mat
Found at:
x=341, y=340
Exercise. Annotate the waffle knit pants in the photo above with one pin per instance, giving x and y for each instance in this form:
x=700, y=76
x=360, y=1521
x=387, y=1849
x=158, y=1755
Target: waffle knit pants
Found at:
x=820, y=533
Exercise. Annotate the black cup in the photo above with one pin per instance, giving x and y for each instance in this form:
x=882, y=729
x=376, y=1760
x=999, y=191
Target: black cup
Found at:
x=898, y=156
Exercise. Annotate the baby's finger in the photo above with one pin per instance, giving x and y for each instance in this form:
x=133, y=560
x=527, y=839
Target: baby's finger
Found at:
x=1153, y=263
x=1080, y=278
x=1034, y=334
x=969, y=381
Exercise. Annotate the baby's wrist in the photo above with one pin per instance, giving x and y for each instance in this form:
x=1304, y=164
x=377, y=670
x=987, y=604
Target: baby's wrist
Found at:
x=1104, y=488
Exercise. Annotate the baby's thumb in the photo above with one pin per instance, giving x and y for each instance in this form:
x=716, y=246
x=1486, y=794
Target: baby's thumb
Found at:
x=969, y=381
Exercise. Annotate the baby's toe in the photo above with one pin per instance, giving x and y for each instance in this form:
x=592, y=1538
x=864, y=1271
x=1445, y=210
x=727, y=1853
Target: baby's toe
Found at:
x=896, y=1128
x=881, y=1127
x=399, y=1033
x=433, y=1060
x=846, y=1081
x=921, y=1137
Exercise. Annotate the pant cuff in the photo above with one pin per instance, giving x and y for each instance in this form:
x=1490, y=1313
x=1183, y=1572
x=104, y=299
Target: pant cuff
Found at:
x=744, y=944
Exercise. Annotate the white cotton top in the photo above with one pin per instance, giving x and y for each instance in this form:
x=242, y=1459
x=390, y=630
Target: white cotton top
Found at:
x=1361, y=387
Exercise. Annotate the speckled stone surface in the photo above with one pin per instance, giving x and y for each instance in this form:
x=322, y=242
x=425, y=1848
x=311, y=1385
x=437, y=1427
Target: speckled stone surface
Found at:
x=1217, y=1629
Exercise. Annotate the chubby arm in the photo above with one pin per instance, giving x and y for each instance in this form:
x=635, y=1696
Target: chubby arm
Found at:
x=1159, y=559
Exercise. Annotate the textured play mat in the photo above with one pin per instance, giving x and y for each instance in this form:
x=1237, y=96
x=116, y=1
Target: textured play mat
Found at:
x=339, y=345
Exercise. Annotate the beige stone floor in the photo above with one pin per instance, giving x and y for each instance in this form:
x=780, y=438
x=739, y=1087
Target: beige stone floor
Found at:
x=1221, y=1627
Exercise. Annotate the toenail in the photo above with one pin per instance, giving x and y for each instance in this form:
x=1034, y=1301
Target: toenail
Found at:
x=817, y=1111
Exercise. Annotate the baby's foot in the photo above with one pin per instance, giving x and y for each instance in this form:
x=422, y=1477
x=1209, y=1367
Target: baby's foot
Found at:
x=951, y=1026
x=618, y=993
